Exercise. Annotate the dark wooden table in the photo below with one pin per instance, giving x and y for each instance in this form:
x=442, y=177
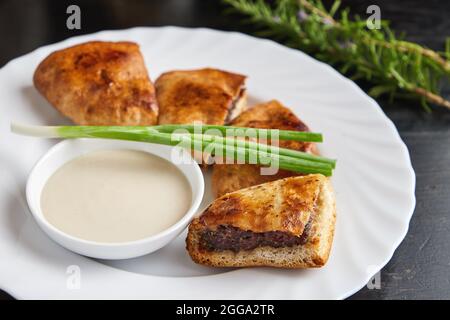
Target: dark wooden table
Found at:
x=420, y=268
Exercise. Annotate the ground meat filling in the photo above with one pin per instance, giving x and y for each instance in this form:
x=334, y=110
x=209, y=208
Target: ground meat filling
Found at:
x=235, y=239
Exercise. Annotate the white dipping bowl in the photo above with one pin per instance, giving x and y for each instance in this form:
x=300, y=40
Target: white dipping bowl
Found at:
x=67, y=150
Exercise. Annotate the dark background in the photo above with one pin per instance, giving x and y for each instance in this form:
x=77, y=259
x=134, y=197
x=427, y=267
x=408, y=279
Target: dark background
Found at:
x=420, y=268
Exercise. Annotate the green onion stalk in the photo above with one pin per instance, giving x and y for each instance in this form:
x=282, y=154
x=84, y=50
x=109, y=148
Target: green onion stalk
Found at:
x=235, y=147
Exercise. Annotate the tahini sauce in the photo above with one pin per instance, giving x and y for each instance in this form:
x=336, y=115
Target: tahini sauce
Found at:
x=115, y=196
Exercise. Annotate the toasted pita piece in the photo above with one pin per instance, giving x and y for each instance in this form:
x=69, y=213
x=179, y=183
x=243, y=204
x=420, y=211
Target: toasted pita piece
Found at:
x=99, y=83
x=209, y=96
x=270, y=115
x=286, y=223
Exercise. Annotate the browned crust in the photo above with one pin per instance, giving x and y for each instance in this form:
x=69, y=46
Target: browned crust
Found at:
x=204, y=95
x=284, y=205
x=227, y=178
x=270, y=115
x=99, y=83
x=313, y=254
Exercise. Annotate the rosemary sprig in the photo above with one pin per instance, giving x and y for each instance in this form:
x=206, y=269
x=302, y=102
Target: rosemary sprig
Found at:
x=396, y=67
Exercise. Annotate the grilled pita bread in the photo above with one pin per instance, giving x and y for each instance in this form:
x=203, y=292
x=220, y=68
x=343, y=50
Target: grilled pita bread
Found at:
x=99, y=83
x=285, y=223
x=207, y=96
x=270, y=115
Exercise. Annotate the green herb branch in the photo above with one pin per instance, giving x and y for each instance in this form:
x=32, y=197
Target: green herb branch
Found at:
x=396, y=67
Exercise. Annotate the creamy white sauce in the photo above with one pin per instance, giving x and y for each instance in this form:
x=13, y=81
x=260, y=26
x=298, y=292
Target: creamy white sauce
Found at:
x=115, y=196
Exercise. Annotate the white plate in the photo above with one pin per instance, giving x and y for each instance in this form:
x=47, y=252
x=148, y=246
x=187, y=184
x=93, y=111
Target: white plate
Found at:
x=374, y=180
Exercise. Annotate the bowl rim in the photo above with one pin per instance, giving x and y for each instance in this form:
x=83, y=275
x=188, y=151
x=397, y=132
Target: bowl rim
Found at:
x=197, y=196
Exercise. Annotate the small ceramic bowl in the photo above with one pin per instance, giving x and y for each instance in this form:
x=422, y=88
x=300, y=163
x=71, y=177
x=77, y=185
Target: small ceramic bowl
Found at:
x=70, y=149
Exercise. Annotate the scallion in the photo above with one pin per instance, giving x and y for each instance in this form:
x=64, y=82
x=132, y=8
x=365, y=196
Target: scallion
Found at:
x=238, y=148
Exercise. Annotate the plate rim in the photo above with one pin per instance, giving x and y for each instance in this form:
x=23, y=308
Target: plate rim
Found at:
x=405, y=221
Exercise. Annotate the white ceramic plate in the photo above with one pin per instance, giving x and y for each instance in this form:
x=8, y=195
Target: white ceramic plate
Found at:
x=374, y=180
